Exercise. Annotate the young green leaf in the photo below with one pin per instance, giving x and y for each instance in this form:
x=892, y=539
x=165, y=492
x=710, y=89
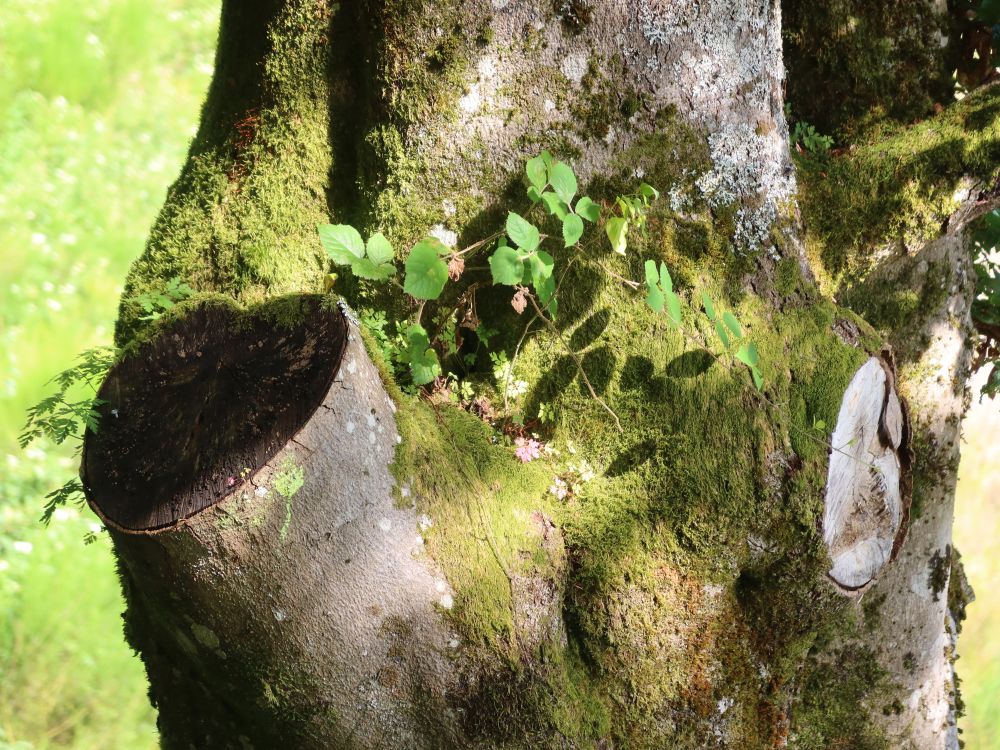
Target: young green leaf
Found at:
x=665, y=281
x=424, y=364
x=744, y=354
x=563, y=181
x=732, y=324
x=721, y=330
x=535, y=169
x=572, y=229
x=555, y=206
x=747, y=354
x=546, y=158
x=534, y=194
x=673, y=309
x=651, y=277
x=709, y=307
x=654, y=298
x=588, y=209
x=648, y=191
x=366, y=268
x=541, y=264
x=546, y=289
x=617, y=231
x=522, y=233
x=379, y=249
x=342, y=242
x=506, y=266
x=426, y=272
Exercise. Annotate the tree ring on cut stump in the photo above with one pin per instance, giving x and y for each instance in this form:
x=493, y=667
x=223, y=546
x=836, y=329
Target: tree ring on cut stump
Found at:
x=868, y=482
x=213, y=397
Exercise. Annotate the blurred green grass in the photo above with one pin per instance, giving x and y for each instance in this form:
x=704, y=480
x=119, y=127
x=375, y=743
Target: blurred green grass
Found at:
x=977, y=538
x=98, y=101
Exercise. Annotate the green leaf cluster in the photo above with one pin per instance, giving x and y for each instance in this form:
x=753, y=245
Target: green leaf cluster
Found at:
x=524, y=264
x=554, y=184
x=633, y=209
x=58, y=416
x=730, y=333
x=61, y=416
x=660, y=296
x=154, y=304
x=660, y=293
x=345, y=247
x=423, y=360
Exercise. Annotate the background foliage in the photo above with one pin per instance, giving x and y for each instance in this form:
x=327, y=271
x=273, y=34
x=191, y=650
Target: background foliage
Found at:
x=97, y=103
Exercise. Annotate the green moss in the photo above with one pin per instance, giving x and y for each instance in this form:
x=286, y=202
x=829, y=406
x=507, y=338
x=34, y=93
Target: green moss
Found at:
x=835, y=695
x=480, y=502
x=240, y=218
x=851, y=61
x=939, y=567
x=787, y=277
x=604, y=102
x=898, y=184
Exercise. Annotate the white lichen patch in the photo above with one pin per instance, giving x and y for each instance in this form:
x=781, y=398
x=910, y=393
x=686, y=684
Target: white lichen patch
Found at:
x=574, y=67
x=448, y=238
x=746, y=165
x=726, y=59
x=471, y=101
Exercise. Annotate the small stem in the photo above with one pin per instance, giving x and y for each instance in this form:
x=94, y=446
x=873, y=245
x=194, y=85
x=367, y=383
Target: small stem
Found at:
x=635, y=285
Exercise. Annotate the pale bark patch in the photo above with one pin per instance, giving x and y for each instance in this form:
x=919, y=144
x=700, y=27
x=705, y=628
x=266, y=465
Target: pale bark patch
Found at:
x=865, y=491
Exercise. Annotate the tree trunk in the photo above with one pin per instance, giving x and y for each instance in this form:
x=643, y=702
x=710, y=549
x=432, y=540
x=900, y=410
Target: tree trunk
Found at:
x=313, y=559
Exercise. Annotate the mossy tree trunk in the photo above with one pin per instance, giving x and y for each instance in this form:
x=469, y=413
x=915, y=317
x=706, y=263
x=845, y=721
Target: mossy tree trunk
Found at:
x=313, y=559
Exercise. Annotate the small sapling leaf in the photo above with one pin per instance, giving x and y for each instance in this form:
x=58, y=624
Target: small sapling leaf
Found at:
x=588, y=209
x=366, y=268
x=379, y=249
x=563, y=181
x=673, y=309
x=665, y=281
x=648, y=191
x=506, y=266
x=572, y=229
x=617, y=231
x=342, y=243
x=723, y=336
x=424, y=365
x=732, y=324
x=651, y=277
x=426, y=272
x=709, y=307
x=554, y=205
x=535, y=168
x=522, y=233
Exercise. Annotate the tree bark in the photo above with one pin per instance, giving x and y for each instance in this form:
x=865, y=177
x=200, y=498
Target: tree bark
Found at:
x=313, y=559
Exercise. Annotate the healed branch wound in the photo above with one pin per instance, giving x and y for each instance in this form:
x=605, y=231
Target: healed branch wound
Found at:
x=868, y=483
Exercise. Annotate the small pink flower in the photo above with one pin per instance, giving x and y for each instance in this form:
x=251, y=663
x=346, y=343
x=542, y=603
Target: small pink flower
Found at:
x=527, y=449
x=559, y=489
x=231, y=481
